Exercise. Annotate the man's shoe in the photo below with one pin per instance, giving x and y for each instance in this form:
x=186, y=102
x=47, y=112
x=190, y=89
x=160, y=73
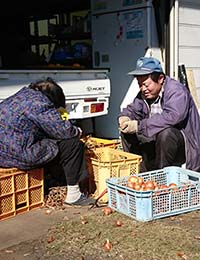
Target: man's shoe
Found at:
x=82, y=201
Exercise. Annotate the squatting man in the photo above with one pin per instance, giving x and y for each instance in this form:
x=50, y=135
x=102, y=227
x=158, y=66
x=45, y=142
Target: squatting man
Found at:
x=162, y=124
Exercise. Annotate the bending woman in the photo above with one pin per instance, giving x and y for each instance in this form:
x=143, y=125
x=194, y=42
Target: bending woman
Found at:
x=33, y=135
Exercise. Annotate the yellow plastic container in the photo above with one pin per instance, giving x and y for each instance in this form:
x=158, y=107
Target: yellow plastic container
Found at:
x=106, y=163
x=20, y=191
x=94, y=142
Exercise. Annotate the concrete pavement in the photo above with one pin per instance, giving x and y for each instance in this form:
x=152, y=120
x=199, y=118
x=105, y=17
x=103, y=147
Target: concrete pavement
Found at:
x=33, y=224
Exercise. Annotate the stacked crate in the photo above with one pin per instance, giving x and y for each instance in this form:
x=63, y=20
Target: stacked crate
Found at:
x=20, y=191
x=105, y=161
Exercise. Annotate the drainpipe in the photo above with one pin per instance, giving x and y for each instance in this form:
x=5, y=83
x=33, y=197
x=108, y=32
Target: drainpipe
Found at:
x=149, y=27
x=171, y=44
x=174, y=41
x=176, y=38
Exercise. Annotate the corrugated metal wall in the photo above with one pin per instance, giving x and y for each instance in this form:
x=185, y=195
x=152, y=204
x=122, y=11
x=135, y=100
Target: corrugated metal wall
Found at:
x=189, y=38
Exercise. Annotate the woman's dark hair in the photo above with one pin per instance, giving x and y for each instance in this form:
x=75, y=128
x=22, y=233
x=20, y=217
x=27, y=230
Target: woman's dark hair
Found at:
x=50, y=89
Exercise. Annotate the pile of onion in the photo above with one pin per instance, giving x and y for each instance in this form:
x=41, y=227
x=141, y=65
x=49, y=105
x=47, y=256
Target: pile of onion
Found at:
x=137, y=183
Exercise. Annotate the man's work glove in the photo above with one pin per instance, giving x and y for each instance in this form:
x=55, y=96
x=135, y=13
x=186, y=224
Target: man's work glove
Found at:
x=130, y=127
x=122, y=120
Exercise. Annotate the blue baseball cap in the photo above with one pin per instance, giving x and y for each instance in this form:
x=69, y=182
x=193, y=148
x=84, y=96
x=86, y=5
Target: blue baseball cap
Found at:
x=145, y=66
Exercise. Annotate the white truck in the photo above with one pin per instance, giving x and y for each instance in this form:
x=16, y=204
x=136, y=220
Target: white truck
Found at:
x=87, y=92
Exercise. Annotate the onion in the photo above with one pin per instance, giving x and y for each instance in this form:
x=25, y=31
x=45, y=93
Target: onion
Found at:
x=137, y=186
x=172, y=185
x=130, y=185
x=142, y=187
x=155, y=184
x=118, y=223
x=107, y=211
x=133, y=179
x=162, y=186
x=149, y=185
x=48, y=212
x=140, y=180
x=107, y=245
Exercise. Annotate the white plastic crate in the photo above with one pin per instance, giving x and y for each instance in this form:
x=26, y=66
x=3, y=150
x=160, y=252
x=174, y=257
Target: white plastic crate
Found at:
x=150, y=205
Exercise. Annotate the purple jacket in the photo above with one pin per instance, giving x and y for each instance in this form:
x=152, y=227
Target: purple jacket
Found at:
x=179, y=110
x=30, y=128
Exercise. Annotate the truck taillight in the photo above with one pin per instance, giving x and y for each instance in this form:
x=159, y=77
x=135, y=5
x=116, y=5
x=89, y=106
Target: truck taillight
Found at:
x=97, y=107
